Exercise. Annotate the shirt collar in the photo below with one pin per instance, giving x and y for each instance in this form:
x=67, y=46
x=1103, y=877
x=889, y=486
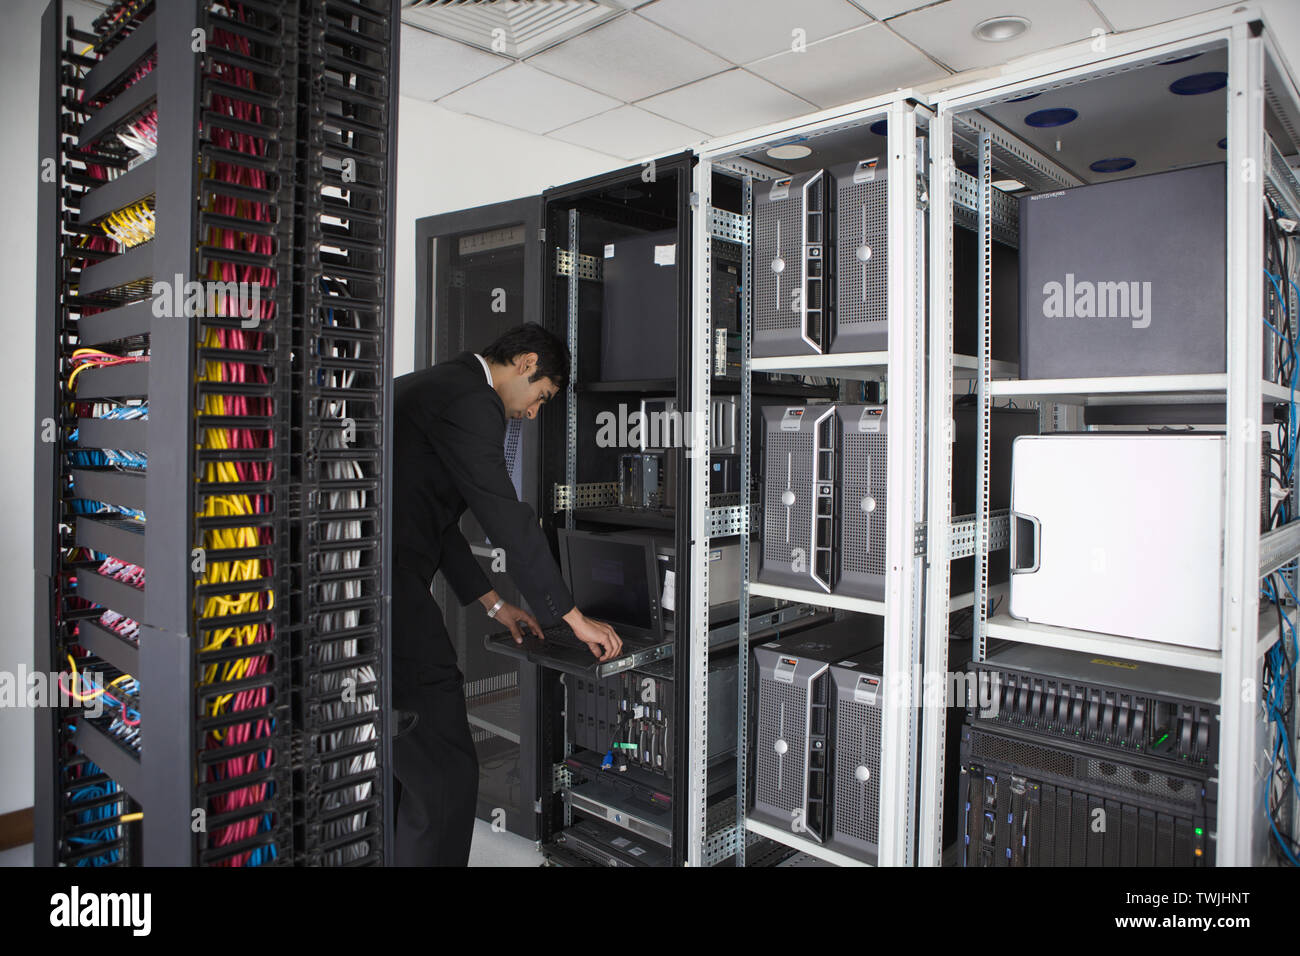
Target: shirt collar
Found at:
x=486, y=371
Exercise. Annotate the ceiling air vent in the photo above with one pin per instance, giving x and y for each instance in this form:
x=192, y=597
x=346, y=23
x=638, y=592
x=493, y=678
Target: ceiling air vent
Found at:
x=514, y=28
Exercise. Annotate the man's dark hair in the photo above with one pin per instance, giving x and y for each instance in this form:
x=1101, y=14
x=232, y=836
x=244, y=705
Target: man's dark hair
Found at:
x=552, y=353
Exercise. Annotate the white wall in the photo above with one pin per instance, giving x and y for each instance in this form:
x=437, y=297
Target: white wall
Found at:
x=448, y=161
x=20, y=56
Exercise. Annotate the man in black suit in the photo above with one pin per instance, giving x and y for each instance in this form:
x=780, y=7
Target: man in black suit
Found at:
x=449, y=453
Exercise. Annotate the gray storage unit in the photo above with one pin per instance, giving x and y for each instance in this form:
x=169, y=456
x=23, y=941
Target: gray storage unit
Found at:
x=1125, y=277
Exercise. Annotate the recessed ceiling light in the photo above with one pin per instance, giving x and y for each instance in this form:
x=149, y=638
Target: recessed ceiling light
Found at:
x=999, y=29
x=790, y=151
x=1008, y=185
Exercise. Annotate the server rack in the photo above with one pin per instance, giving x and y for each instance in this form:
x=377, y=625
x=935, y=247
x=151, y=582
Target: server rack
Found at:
x=539, y=258
x=1261, y=94
x=846, y=134
x=181, y=131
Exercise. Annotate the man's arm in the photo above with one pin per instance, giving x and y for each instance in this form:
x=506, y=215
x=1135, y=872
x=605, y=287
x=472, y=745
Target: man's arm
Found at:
x=466, y=436
x=462, y=571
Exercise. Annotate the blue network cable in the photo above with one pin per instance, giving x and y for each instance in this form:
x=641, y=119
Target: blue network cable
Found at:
x=90, y=815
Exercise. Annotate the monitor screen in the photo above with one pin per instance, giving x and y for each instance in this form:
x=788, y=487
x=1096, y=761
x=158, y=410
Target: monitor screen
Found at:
x=608, y=579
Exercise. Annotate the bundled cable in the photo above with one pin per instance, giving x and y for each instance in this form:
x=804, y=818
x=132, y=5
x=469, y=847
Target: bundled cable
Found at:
x=1279, y=699
x=132, y=225
x=360, y=730
x=256, y=598
x=96, y=816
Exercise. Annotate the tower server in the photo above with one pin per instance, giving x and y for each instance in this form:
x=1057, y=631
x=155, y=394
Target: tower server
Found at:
x=800, y=546
x=792, y=732
x=861, y=218
x=855, y=796
x=794, y=265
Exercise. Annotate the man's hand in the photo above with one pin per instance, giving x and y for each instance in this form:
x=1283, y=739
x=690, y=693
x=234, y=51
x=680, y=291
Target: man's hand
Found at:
x=597, y=635
x=514, y=618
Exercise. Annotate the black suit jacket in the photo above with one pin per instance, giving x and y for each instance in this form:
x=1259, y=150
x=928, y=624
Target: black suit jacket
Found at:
x=449, y=453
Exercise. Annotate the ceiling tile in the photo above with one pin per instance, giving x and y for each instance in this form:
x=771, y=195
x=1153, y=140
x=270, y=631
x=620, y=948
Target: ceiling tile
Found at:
x=851, y=66
x=529, y=99
x=433, y=66
x=630, y=133
x=1127, y=15
x=629, y=58
x=946, y=31
x=726, y=103
x=745, y=30
x=884, y=9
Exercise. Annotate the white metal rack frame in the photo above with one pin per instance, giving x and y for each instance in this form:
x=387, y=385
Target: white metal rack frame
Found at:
x=902, y=367
x=1257, y=77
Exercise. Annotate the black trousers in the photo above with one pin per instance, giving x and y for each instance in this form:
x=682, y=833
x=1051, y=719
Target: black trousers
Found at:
x=435, y=766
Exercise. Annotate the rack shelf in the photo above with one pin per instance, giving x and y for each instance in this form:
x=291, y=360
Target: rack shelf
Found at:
x=860, y=366
x=1161, y=389
x=1005, y=627
x=968, y=367
x=802, y=844
x=817, y=598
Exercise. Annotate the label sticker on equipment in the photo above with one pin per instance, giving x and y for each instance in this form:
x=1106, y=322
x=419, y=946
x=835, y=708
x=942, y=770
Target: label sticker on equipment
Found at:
x=620, y=842
x=636, y=851
x=609, y=250
x=1127, y=665
x=865, y=171
x=869, y=421
x=780, y=189
x=666, y=255
x=715, y=554
x=791, y=419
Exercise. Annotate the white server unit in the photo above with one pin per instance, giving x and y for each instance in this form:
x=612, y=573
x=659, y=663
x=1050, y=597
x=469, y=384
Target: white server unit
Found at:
x=794, y=265
x=1119, y=534
x=861, y=220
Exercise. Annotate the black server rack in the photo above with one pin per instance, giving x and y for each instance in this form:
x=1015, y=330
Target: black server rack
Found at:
x=343, y=384
x=1071, y=760
x=184, y=386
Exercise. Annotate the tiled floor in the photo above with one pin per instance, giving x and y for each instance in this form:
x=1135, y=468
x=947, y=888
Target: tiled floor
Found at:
x=18, y=856
x=501, y=849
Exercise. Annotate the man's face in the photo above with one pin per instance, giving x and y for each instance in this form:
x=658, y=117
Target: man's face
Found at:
x=522, y=398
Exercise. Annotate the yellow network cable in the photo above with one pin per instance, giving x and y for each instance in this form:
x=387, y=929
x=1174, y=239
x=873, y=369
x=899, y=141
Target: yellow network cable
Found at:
x=227, y=572
x=132, y=225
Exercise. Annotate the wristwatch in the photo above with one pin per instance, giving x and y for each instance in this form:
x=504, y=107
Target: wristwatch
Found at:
x=492, y=611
